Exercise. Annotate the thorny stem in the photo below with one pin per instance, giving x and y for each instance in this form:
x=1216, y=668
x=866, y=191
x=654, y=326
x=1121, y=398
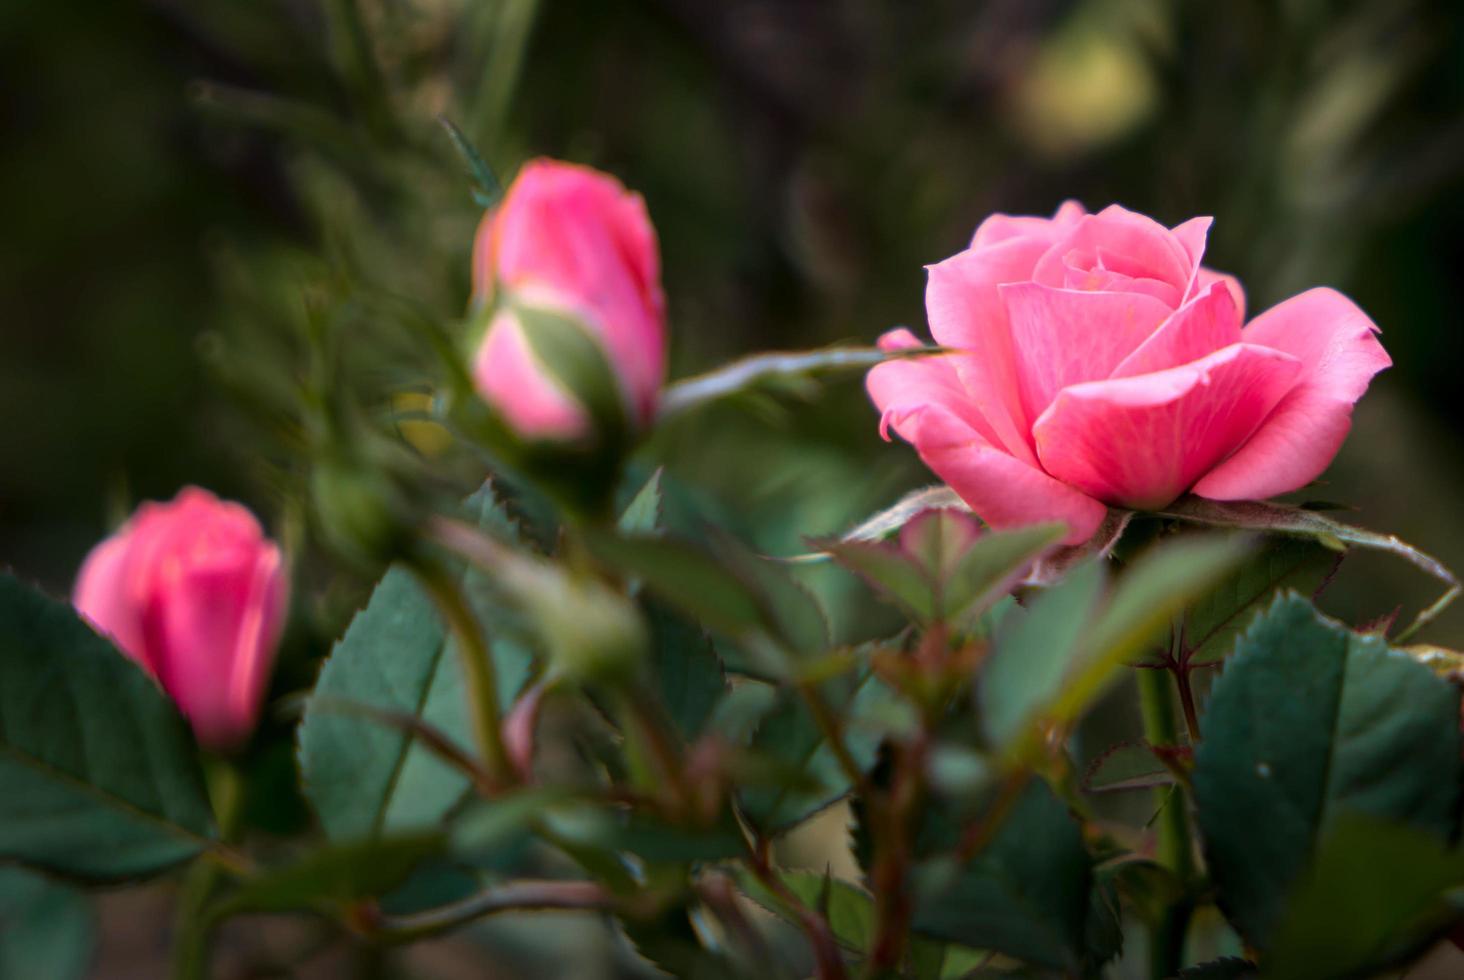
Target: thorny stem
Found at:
x=889, y=874
x=1178, y=663
x=828, y=963
x=1187, y=703
x=1175, y=849
x=478, y=670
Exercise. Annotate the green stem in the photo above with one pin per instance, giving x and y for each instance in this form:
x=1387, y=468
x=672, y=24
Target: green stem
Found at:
x=1176, y=849
x=194, y=923
x=478, y=670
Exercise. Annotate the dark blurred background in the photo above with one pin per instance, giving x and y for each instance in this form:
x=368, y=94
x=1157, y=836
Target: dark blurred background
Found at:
x=220, y=215
x=178, y=181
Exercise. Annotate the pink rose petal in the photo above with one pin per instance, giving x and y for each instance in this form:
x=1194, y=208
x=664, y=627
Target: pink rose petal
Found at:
x=1339, y=352
x=1141, y=441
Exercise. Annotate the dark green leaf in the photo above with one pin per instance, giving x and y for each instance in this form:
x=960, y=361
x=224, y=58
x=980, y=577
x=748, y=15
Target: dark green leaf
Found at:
x=1274, y=518
x=365, y=778
x=1103, y=935
x=488, y=828
x=687, y=671
x=686, y=577
x=333, y=875
x=670, y=942
x=1310, y=721
x=100, y=776
x=1214, y=622
x=793, y=615
x=655, y=840
x=47, y=929
x=1128, y=766
x=486, y=189
x=848, y=908
x=1373, y=896
x=740, y=710
x=812, y=777
x=1026, y=894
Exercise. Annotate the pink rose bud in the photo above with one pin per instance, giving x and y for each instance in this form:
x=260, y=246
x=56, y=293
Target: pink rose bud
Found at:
x=1099, y=363
x=196, y=594
x=574, y=240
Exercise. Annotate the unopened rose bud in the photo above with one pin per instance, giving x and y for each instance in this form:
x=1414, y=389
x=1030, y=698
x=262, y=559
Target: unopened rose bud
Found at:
x=195, y=593
x=572, y=245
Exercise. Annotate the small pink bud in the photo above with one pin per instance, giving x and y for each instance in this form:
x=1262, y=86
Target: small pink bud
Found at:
x=573, y=239
x=196, y=594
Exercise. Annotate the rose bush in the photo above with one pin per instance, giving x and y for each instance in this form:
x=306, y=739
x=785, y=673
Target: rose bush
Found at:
x=574, y=240
x=196, y=594
x=576, y=688
x=1098, y=363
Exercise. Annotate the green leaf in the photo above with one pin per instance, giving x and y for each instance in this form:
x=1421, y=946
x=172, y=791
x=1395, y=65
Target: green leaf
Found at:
x=1049, y=665
x=643, y=514
x=668, y=941
x=1308, y=722
x=684, y=576
x=1159, y=585
x=1128, y=766
x=734, y=592
x=793, y=616
x=1103, y=934
x=46, y=928
x=1274, y=518
x=486, y=188
x=655, y=840
x=1214, y=622
x=741, y=710
x=848, y=908
x=332, y=876
x=1025, y=895
x=812, y=778
x=1373, y=897
x=990, y=567
x=946, y=570
x=888, y=570
x=687, y=671
x=365, y=778
x=1033, y=650
x=100, y=775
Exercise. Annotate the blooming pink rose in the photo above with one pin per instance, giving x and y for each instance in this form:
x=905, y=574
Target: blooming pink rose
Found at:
x=573, y=239
x=196, y=594
x=1101, y=364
